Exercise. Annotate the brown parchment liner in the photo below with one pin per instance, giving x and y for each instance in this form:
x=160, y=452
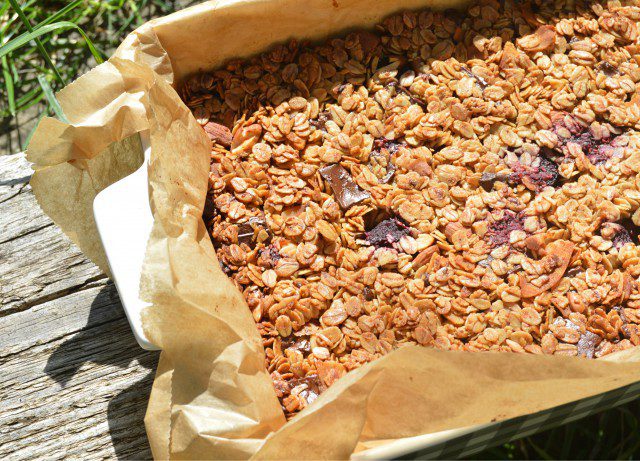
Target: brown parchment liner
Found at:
x=212, y=398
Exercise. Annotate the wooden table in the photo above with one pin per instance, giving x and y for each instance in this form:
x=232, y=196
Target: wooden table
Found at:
x=73, y=381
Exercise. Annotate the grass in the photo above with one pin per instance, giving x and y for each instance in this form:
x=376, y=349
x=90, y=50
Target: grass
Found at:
x=36, y=37
x=612, y=434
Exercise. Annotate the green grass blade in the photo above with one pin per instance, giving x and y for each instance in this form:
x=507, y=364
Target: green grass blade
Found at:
x=33, y=130
x=25, y=38
x=31, y=102
x=51, y=98
x=8, y=82
x=25, y=98
x=43, y=52
x=539, y=451
x=58, y=14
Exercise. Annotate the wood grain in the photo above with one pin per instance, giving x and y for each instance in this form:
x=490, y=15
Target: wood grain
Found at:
x=74, y=383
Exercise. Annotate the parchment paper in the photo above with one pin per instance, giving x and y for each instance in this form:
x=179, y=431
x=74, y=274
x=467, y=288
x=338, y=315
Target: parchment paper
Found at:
x=212, y=398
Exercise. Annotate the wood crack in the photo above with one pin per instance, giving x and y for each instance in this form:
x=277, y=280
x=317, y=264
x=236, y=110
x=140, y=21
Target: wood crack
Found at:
x=29, y=232
x=18, y=192
x=87, y=284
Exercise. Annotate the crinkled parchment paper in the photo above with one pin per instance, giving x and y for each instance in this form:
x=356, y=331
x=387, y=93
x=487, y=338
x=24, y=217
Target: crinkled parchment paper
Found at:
x=212, y=397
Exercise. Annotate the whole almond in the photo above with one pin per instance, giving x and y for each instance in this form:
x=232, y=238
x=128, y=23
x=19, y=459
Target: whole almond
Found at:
x=219, y=134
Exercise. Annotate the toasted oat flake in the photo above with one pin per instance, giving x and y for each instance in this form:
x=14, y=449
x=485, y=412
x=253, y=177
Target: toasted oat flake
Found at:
x=464, y=184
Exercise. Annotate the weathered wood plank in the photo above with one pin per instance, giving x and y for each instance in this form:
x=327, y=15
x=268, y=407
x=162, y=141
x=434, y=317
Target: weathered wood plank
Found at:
x=78, y=390
x=14, y=175
x=73, y=381
x=37, y=262
x=40, y=266
x=21, y=215
x=58, y=318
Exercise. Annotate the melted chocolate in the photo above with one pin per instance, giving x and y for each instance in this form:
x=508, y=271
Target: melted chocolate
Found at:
x=625, y=232
x=607, y=68
x=386, y=148
x=345, y=190
x=597, y=151
x=268, y=256
x=588, y=343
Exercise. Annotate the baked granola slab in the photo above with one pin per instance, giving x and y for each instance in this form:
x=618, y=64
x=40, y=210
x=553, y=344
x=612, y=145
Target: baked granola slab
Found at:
x=460, y=181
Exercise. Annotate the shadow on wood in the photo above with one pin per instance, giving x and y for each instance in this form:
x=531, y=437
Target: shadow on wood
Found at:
x=107, y=340
x=128, y=407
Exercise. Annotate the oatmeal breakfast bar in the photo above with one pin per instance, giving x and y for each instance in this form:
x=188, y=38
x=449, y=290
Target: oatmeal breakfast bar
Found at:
x=460, y=181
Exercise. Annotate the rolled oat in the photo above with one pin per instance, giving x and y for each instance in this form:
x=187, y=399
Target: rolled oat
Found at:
x=465, y=183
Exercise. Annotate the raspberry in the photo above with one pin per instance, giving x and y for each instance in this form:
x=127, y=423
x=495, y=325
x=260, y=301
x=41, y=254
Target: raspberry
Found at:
x=500, y=230
x=387, y=232
x=597, y=151
x=623, y=232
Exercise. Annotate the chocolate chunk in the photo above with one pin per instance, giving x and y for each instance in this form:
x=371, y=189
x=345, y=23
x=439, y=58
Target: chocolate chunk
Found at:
x=481, y=82
x=587, y=344
x=607, y=68
x=218, y=133
x=299, y=344
x=345, y=190
x=488, y=180
x=368, y=294
x=209, y=211
x=247, y=231
x=387, y=232
x=321, y=121
x=312, y=390
x=499, y=231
